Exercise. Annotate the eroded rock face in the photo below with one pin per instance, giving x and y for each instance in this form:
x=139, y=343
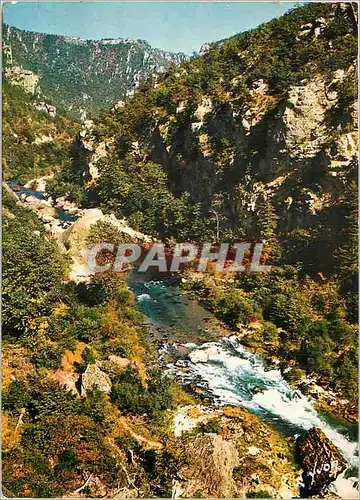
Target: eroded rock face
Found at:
x=305, y=130
x=23, y=77
x=75, y=237
x=244, y=458
x=321, y=461
x=92, y=378
x=216, y=459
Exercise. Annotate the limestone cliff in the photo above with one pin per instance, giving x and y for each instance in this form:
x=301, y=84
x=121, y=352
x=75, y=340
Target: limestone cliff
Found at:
x=266, y=120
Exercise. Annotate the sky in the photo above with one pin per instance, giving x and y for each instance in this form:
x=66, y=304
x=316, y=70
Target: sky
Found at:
x=172, y=26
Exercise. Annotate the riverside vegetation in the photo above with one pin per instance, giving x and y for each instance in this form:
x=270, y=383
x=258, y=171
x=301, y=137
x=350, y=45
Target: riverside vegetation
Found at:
x=257, y=132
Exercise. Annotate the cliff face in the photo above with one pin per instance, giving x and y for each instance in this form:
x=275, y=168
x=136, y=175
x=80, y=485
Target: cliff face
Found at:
x=80, y=75
x=264, y=121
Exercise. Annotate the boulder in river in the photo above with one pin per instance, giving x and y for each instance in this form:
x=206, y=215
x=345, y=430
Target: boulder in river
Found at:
x=203, y=355
x=320, y=460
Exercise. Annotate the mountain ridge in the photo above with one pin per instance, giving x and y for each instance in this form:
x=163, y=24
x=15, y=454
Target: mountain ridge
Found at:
x=80, y=75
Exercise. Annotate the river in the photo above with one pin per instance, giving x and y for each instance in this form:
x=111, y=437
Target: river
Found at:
x=62, y=215
x=231, y=375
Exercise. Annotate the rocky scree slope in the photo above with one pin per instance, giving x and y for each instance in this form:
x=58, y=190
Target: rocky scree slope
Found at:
x=80, y=75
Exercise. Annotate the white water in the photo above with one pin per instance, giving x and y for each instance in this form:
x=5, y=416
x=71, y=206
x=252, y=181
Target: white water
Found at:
x=232, y=375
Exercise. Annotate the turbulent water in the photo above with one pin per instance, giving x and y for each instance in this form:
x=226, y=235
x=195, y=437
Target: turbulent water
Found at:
x=232, y=375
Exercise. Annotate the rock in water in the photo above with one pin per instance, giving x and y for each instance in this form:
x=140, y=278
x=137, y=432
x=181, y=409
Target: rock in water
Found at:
x=320, y=460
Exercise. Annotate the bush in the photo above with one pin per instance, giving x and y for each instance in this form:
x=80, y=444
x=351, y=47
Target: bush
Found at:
x=270, y=332
x=258, y=494
x=16, y=396
x=33, y=270
x=131, y=397
x=48, y=356
x=233, y=307
x=212, y=426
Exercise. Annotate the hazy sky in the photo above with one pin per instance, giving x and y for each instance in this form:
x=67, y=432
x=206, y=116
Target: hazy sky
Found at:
x=173, y=26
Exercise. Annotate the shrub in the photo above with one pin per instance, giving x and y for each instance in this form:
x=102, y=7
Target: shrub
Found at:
x=48, y=356
x=212, y=426
x=16, y=396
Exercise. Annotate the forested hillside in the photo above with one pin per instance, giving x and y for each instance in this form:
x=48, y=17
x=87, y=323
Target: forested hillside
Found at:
x=261, y=129
x=36, y=137
x=80, y=76
x=254, y=140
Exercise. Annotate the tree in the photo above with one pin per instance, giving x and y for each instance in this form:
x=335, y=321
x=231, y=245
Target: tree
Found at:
x=33, y=270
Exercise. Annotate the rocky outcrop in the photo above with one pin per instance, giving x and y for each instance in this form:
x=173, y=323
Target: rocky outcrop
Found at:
x=75, y=237
x=216, y=460
x=23, y=77
x=233, y=454
x=93, y=377
x=303, y=120
x=115, y=365
x=321, y=461
x=46, y=108
x=43, y=208
x=39, y=184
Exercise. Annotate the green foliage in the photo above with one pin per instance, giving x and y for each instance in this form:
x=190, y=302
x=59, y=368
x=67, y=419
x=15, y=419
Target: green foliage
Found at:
x=33, y=269
x=258, y=494
x=25, y=156
x=47, y=356
x=269, y=332
x=173, y=179
x=49, y=398
x=88, y=358
x=167, y=177
x=131, y=397
x=16, y=396
x=212, y=426
x=98, y=407
x=103, y=231
x=67, y=461
x=233, y=306
x=139, y=192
